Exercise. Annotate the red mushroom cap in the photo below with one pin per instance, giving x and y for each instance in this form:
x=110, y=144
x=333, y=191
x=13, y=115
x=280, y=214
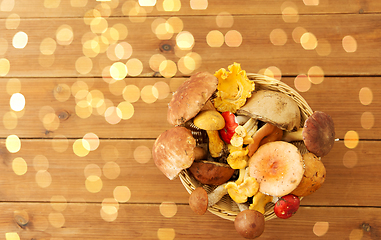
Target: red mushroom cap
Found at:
x=319, y=133
x=190, y=97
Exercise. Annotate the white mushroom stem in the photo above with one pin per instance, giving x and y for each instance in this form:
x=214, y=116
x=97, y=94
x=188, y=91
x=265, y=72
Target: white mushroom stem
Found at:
x=242, y=206
x=293, y=136
x=216, y=195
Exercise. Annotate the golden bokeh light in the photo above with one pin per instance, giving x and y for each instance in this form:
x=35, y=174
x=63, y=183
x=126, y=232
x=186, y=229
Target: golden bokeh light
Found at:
x=84, y=65
x=176, y=23
x=108, y=217
x=12, y=236
x=185, y=40
x=118, y=70
x=40, y=162
x=19, y=166
x=78, y=205
x=171, y=5
x=316, y=75
x=81, y=147
x=56, y=219
x=43, y=179
x=367, y=120
x=297, y=33
x=215, y=38
x=122, y=30
x=60, y=143
x=134, y=66
x=350, y=159
x=93, y=141
x=111, y=170
x=290, y=12
x=7, y=5
x=17, y=102
x=308, y=41
x=113, y=115
x=10, y=120
x=166, y=234
x=78, y=86
x=90, y=15
x=301, y=83
x=98, y=25
x=163, y=89
x=45, y=110
x=147, y=3
x=186, y=65
x=13, y=86
x=320, y=228
x=116, y=88
x=123, y=50
x=131, y=93
x=199, y=4
x=127, y=110
x=46, y=60
x=137, y=14
x=365, y=96
x=92, y=169
x=351, y=139
x=349, y=44
x=62, y=92
x=83, y=109
x=311, y=2
x=64, y=35
x=168, y=209
x=111, y=34
x=104, y=8
x=4, y=66
x=224, y=20
x=122, y=194
x=13, y=21
x=110, y=205
x=149, y=94
x=58, y=203
x=168, y=68
x=163, y=30
x=13, y=143
x=233, y=38
x=155, y=61
x=142, y=154
x=20, y=40
x=51, y=122
x=278, y=37
x=323, y=48
x=52, y=3
x=356, y=234
x=273, y=72
x=93, y=184
x=48, y=46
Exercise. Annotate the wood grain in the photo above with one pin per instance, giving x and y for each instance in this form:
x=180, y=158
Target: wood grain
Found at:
x=136, y=221
x=291, y=58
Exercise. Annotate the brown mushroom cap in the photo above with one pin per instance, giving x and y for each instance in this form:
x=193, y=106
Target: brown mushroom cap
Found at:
x=273, y=107
x=319, y=133
x=250, y=223
x=198, y=201
x=190, y=97
x=173, y=151
x=211, y=173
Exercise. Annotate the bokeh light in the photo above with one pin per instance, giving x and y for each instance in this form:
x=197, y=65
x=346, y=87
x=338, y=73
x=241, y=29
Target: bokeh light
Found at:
x=7, y=5
x=81, y=147
x=4, y=66
x=166, y=233
x=40, y=162
x=17, y=102
x=118, y=70
x=12, y=236
x=126, y=109
x=19, y=166
x=13, y=21
x=351, y=139
x=163, y=89
x=113, y=115
x=350, y=159
x=290, y=12
x=199, y=4
x=149, y=94
x=93, y=141
x=311, y=2
x=320, y=228
x=84, y=65
x=297, y=33
x=13, y=143
x=356, y=234
x=215, y=38
x=142, y=154
x=111, y=170
x=233, y=38
x=301, y=83
x=43, y=178
x=224, y=20
x=64, y=35
x=365, y=96
x=10, y=120
x=168, y=68
x=168, y=209
x=185, y=40
x=56, y=219
x=58, y=203
x=316, y=75
x=20, y=40
x=308, y=41
x=122, y=194
x=134, y=67
x=349, y=44
x=131, y=93
x=92, y=169
x=278, y=37
x=93, y=184
x=367, y=120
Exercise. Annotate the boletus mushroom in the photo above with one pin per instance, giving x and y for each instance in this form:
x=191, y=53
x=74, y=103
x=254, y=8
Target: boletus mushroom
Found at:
x=200, y=200
x=273, y=107
x=318, y=134
x=191, y=97
x=211, y=173
x=175, y=150
x=249, y=224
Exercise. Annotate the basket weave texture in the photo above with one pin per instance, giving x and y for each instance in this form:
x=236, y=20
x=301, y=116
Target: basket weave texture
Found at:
x=226, y=208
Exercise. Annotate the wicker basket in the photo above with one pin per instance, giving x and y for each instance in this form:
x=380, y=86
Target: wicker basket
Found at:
x=226, y=208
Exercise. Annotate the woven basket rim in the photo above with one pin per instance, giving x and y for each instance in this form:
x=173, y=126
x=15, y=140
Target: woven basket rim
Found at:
x=221, y=208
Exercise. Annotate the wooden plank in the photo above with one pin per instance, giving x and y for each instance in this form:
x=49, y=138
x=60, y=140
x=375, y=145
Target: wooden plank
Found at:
x=55, y=97
x=57, y=170
x=136, y=221
x=291, y=58
x=118, y=8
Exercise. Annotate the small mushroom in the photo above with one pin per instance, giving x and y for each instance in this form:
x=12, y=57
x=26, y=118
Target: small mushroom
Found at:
x=200, y=200
x=249, y=224
x=259, y=202
x=318, y=134
x=266, y=133
x=273, y=107
x=175, y=150
x=191, y=97
x=211, y=173
x=244, y=187
x=211, y=121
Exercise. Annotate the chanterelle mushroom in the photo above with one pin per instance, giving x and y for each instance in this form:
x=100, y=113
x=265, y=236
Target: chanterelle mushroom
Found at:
x=190, y=97
x=318, y=134
x=174, y=150
x=273, y=107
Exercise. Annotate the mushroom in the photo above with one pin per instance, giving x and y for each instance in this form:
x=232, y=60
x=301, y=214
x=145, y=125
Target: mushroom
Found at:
x=175, y=150
x=211, y=173
x=244, y=187
x=318, y=134
x=200, y=200
x=266, y=133
x=211, y=121
x=259, y=202
x=249, y=224
x=191, y=97
x=273, y=107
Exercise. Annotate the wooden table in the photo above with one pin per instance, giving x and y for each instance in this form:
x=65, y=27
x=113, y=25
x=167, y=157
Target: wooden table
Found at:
x=96, y=78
